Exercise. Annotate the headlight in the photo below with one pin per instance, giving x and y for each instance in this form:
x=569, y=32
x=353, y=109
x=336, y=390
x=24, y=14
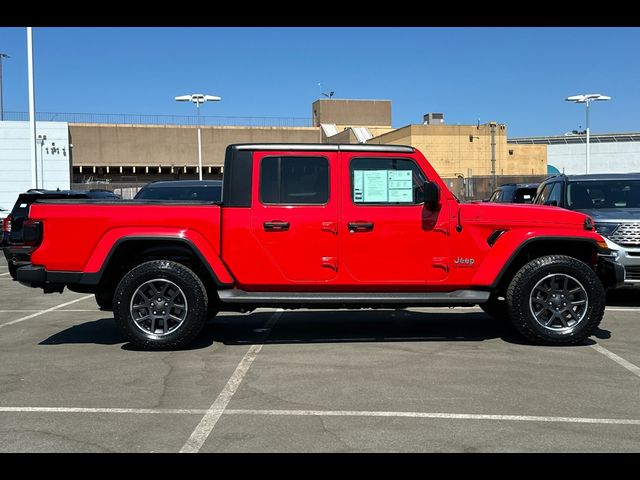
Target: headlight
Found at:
x=606, y=228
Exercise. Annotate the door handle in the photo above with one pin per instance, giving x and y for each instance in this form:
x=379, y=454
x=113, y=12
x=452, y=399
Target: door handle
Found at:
x=360, y=227
x=276, y=226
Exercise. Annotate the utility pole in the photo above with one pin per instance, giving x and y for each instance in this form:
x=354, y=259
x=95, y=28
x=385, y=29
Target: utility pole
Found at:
x=493, y=154
x=2, y=55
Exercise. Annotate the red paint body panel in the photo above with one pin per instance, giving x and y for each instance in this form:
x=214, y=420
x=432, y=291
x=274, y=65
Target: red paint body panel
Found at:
x=409, y=248
x=79, y=237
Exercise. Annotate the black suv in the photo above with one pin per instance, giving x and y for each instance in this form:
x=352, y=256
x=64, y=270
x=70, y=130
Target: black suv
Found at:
x=612, y=200
x=182, y=190
x=514, y=193
x=17, y=249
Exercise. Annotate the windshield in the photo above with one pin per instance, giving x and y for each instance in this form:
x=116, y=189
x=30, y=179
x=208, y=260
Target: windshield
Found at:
x=203, y=194
x=603, y=194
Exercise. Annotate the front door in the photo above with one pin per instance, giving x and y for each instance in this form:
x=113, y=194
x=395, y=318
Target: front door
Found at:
x=294, y=218
x=388, y=236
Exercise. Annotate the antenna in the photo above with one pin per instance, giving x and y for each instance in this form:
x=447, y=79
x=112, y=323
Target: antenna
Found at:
x=329, y=95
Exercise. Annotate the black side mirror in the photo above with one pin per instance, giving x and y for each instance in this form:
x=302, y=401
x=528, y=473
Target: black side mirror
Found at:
x=431, y=193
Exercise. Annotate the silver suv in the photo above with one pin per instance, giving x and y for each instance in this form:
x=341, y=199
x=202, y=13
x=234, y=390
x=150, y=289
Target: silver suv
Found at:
x=613, y=201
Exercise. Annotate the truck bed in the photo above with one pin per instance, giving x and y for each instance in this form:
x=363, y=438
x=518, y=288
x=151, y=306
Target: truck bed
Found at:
x=79, y=234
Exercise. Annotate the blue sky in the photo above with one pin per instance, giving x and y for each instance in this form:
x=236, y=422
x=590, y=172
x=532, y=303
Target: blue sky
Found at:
x=517, y=76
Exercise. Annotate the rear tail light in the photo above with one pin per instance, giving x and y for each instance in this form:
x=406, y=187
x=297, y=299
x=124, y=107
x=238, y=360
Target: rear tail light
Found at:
x=31, y=232
x=6, y=224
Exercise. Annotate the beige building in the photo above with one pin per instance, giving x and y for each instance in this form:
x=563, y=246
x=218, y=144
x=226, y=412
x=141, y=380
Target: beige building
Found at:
x=466, y=150
x=141, y=153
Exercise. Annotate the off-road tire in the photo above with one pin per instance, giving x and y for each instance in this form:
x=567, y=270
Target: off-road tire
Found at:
x=104, y=300
x=496, y=309
x=523, y=283
x=194, y=292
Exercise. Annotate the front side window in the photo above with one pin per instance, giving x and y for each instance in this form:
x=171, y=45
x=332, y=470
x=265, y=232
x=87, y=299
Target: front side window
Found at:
x=386, y=181
x=294, y=180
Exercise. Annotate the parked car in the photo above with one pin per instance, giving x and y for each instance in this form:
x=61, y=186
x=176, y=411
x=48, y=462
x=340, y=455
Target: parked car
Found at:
x=514, y=193
x=17, y=249
x=324, y=226
x=613, y=201
x=182, y=190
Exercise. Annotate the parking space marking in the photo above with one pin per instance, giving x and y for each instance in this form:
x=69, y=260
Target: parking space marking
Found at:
x=329, y=413
x=618, y=359
x=208, y=422
x=171, y=411
x=622, y=309
x=42, y=312
x=3, y=274
x=446, y=416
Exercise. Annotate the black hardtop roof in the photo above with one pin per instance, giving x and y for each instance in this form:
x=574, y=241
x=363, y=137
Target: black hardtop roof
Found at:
x=324, y=147
x=520, y=185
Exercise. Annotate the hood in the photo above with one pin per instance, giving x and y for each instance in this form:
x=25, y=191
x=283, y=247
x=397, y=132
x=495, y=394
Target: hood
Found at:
x=505, y=214
x=612, y=214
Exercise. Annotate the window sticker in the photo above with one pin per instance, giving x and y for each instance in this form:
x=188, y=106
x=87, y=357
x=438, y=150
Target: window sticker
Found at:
x=382, y=186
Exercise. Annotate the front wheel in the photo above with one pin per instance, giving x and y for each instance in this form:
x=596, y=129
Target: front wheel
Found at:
x=556, y=300
x=160, y=304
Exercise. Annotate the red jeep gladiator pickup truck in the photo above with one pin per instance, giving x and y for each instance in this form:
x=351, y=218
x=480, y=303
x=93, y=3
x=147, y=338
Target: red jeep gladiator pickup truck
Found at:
x=322, y=226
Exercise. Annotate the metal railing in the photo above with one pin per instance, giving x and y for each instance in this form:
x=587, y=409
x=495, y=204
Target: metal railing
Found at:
x=136, y=119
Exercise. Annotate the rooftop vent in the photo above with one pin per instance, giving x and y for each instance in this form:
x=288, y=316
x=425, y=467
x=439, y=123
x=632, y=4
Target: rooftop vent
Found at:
x=433, y=119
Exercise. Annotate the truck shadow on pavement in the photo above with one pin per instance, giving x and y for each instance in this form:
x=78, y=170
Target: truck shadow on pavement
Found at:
x=338, y=326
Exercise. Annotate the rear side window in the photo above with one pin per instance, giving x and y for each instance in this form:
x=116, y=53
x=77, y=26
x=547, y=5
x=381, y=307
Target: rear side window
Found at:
x=294, y=180
x=386, y=181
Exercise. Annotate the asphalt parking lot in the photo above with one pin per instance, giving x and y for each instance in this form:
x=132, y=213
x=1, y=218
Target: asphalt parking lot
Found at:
x=417, y=380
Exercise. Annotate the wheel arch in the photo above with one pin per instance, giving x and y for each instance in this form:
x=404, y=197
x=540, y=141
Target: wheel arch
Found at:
x=583, y=249
x=127, y=252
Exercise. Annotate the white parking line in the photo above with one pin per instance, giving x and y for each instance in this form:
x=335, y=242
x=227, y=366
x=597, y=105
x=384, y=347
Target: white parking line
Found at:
x=3, y=274
x=171, y=411
x=618, y=359
x=622, y=309
x=330, y=413
x=208, y=422
x=42, y=312
x=448, y=416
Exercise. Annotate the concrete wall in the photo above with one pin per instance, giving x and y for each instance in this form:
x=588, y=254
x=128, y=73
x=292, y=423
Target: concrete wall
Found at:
x=355, y=113
x=466, y=149
x=166, y=146
x=614, y=157
x=15, y=159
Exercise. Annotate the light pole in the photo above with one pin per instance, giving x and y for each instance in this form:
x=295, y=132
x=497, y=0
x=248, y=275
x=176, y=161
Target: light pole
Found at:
x=41, y=139
x=2, y=55
x=198, y=98
x=587, y=99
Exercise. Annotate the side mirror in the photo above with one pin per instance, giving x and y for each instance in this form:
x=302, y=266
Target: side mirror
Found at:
x=431, y=193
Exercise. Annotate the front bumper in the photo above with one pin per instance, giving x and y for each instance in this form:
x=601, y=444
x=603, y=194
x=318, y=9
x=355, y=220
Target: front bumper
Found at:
x=629, y=258
x=611, y=273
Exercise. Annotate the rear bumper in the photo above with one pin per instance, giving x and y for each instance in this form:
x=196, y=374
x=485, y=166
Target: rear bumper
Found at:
x=39, y=277
x=17, y=255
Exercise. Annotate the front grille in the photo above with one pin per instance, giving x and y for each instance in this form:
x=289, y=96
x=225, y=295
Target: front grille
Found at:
x=632, y=273
x=627, y=234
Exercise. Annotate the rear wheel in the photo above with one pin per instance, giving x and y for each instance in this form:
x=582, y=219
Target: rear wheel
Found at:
x=105, y=300
x=160, y=304
x=556, y=299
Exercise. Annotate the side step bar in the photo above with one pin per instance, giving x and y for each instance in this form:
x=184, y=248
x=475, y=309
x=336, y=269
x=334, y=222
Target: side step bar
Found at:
x=458, y=297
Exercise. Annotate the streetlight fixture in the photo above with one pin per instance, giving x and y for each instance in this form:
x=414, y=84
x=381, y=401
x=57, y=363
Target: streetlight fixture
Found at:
x=2, y=55
x=587, y=99
x=198, y=98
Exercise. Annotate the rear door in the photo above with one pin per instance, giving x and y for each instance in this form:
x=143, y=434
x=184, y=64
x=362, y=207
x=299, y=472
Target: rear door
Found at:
x=294, y=217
